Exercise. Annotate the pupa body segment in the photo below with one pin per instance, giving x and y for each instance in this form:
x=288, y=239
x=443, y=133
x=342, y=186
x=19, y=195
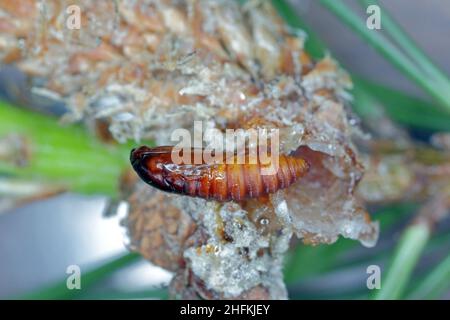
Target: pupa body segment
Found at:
x=222, y=181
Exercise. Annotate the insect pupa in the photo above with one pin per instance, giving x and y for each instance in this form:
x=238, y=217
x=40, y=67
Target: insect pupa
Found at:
x=221, y=182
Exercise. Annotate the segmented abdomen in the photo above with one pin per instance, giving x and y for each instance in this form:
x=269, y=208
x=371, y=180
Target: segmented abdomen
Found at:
x=222, y=182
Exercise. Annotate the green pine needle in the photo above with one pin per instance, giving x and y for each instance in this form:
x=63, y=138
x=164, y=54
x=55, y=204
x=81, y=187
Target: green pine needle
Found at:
x=407, y=44
x=439, y=90
x=67, y=155
x=59, y=290
x=435, y=284
x=405, y=258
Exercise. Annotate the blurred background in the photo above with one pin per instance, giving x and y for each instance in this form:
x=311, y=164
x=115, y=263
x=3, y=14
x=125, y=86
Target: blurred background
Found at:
x=39, y=240
x=426, y=24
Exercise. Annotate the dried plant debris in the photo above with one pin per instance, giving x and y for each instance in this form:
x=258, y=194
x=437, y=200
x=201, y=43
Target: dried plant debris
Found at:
x=412, y=172
x=223, y=249
x=160, y=230
x=15, y=149
x=145, y=68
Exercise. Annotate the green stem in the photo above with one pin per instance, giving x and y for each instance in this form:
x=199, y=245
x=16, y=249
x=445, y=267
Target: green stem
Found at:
x=60, y=290
x=66, y=155
x=435, y=283
x=408, y=45
x=439, y=91
x=405, y=258
x=407, y=110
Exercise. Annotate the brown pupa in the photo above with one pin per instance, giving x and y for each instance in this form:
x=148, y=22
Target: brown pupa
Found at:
x=222, y=182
